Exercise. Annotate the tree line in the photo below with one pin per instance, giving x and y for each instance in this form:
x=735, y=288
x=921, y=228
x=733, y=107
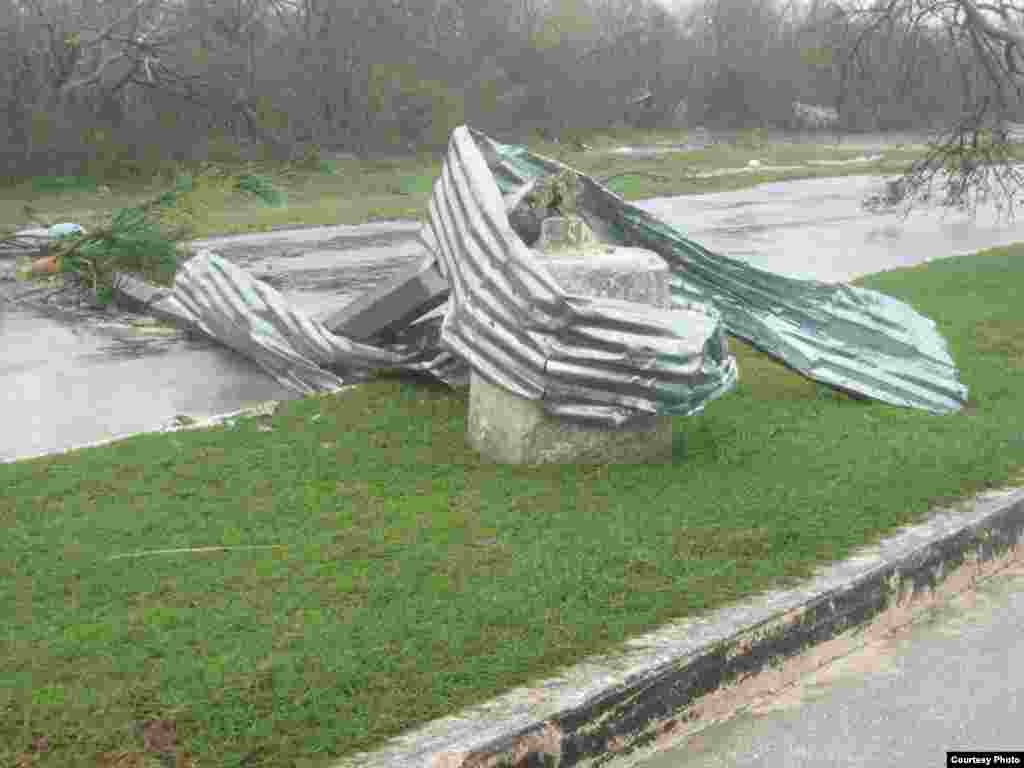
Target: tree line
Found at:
x=130, y=84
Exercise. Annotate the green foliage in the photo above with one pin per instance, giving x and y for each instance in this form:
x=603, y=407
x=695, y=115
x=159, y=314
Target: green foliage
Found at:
x=132, y=242
x=271, y=117
x=404, y=106
x=223, y=149
x=755, y=138
x=261, y=187
x=110, y=157
x=196, y=196
x=447, y=110
x=565, y=21
x=51, y=184
x=817, y=57
x=144, y=238
x=555, y=192
x=311, y=159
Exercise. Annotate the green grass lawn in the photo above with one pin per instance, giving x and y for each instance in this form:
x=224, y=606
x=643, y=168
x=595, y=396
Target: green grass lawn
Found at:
x=409, y=580
x=353, y=192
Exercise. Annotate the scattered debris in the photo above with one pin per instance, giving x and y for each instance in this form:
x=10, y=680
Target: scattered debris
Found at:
x=507, y=317
x=852, y=339
x=814, y=117
x=266, y=408
x=159, y=736
x=47, y=265
x=193, y=550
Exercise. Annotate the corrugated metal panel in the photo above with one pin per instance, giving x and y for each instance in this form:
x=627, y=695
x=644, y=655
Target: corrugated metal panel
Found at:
x=226, y=303
x=851, y=338
x=586, y=358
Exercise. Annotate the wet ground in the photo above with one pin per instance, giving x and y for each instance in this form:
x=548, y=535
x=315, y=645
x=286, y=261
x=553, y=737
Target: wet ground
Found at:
x=952, y=681
x=816, y=228
x=323, y=268
x=72, y=375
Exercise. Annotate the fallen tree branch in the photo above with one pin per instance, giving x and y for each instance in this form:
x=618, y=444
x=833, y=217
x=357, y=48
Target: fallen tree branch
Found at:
x=191, y=550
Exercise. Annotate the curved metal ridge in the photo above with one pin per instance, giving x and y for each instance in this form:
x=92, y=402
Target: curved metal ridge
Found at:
x=851, y=338
x=225, y=302
x=582, y=357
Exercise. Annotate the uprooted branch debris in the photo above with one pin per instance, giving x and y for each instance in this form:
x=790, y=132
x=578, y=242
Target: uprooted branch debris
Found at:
x=970, y=164
x=144, y=239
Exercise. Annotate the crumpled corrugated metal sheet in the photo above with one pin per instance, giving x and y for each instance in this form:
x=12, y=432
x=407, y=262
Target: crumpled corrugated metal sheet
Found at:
x=857, y=340
x=225, y=302
x=585, y=358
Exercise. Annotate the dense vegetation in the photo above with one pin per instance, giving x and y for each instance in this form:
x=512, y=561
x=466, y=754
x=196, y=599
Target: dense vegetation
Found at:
x=127, y=87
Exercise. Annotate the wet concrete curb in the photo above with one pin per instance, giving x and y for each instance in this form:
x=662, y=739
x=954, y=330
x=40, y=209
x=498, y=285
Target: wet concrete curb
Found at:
x=688, y=675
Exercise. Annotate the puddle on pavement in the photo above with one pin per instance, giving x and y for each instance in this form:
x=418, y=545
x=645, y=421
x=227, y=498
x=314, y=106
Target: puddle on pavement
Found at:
x=72, y=377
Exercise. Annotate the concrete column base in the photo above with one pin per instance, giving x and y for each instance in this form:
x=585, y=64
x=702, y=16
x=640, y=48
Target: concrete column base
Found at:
x=509, y=429
x=512, y=430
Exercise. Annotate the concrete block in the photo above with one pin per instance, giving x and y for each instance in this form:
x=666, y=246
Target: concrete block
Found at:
x=510, y=429
x=561, y=233
x=393, y=305
x=630, y=274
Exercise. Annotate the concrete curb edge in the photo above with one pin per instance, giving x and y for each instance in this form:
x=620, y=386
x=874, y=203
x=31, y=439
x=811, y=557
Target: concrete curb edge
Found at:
x=690, y=674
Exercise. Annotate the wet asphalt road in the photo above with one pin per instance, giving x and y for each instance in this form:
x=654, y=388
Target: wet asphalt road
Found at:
x=73, y=379
x=816, y=228
x=952, y=682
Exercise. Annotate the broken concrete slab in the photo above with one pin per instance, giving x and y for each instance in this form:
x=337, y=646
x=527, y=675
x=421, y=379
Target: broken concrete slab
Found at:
x=397, y=303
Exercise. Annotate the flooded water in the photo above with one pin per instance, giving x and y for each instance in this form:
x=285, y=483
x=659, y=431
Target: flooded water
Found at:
x=75, y=377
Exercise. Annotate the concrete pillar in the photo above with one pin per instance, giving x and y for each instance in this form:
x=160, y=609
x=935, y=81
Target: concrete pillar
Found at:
x=509, y=429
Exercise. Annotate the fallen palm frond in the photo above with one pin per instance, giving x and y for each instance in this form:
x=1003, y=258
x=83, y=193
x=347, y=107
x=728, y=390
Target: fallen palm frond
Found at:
x=143, y=239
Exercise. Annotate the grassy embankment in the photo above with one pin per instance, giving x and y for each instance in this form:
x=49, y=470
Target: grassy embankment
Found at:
x=348, y=191
x=404, y=579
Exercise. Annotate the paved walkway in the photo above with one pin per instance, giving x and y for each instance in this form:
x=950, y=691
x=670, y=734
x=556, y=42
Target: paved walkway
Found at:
x=952, y=682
